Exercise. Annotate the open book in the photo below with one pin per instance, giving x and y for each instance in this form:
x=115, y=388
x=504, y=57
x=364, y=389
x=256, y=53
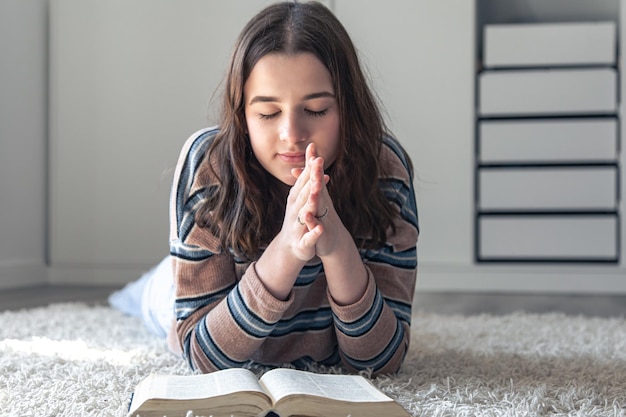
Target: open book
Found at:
x=238, y=392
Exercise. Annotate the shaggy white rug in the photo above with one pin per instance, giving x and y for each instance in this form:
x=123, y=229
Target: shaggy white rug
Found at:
x=77, y=360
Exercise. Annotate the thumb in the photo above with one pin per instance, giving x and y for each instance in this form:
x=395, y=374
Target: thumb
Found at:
x=296, y=171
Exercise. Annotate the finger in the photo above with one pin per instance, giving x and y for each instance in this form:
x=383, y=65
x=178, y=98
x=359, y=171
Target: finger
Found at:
x=296, y=172
x=311, y=151
x=309, y=180
x=301, y=194
x=317, y=171
x=302, y=176
x=313, y=210
x=310, y=238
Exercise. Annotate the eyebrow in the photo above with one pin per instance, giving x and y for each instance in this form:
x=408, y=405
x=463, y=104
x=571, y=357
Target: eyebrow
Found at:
x=270, y=99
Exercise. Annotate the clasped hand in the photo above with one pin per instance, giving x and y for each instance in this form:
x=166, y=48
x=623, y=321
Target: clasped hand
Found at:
x=310, y=218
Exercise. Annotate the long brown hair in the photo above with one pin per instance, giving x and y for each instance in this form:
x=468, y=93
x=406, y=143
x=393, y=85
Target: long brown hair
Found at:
x=241, y=209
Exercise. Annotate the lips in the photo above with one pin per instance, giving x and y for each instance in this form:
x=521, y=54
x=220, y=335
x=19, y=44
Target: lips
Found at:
x=292, y=157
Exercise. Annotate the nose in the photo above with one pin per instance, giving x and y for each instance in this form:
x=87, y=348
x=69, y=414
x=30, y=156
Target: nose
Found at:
x=292, y=130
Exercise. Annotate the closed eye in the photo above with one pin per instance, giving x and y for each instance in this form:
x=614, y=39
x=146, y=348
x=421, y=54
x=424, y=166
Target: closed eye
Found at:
x=268, y=116
x=316, y=113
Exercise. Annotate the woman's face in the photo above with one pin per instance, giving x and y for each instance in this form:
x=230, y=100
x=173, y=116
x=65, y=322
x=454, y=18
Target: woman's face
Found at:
x=289, y=103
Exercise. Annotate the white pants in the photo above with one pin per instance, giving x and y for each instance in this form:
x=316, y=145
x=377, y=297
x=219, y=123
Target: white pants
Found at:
x=151, y=297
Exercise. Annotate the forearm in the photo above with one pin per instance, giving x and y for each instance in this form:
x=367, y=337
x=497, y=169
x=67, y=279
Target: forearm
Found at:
x=223, y=335
x=278, y=268
x=370, y=334
x=345, y=273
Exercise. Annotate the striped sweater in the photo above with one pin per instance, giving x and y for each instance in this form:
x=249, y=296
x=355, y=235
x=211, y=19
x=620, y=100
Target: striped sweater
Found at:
x=226, y=318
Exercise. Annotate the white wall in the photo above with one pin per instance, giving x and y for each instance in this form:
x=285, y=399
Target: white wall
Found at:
x=420, y=54
x=130, y=81
x=22, y=141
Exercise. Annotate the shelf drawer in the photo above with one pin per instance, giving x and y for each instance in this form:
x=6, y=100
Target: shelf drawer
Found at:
x=573, y=238
x=548, y=140
x=578, y=188
x=548, y=92
x=544, y=44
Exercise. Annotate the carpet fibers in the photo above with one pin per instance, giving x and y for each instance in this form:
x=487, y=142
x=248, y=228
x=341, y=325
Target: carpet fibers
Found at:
x=78, y=360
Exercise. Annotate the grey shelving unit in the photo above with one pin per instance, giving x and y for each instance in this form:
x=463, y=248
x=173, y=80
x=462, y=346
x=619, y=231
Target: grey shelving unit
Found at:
x=547, y=173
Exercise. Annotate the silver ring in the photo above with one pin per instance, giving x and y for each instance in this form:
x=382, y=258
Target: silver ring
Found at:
x=323, y=215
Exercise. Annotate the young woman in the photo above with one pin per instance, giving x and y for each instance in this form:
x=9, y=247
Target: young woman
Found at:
x=294, y=223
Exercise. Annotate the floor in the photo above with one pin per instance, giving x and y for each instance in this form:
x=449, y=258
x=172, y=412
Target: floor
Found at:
x=429, y=302
x=42, y=295
x=477, y=303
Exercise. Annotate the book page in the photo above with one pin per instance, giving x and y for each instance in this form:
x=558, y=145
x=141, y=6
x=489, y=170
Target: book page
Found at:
x=188, y=387
x=282, y=382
